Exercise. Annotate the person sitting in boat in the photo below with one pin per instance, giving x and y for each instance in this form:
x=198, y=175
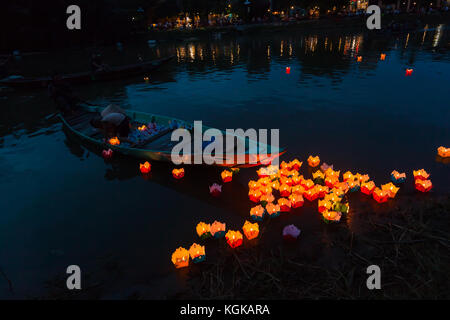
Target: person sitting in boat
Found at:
x=61, y=92
x=97, y=64
x=113, y=122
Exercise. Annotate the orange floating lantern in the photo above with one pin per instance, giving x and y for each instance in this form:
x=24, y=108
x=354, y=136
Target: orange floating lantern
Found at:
x=379, y=195
x=215, y=190
x=275, y=185
x=311, y=194
x=254, y=195
x=227, y=176
x=142, y=128
x=362, y=177
x=390, y=188
x=296, y=200
x=331, y=216
x=332, y=197
x=234, y=238
x=267, y=198
x=217, y=229
x=114, y=141
x=180, y=258
x=257, y=213
x=203, y=230
x=251, y=230
x=331, y=182
x=318, y=176
x=348, y=176
x=421, y=174
x=423, y=185
x=325, y=205
x=382, y=56
x=443, y=152
x=367, y=187
x=264, y=181
x=273, y=210
x=197, y=253
x=307, y=184
x=253, y=184
x=321, y=191
x=145, y=167
x=296, y=180
x=284, y=190
x=295, y=164
x=178, y=173
x=265, y=189
x=298, y=190
x=286, y=180
x=288, y=70
x=284, y=165
x=353, y=185
x=285, y=205
x=359, y=58
x=313, y=161
x=408, y=72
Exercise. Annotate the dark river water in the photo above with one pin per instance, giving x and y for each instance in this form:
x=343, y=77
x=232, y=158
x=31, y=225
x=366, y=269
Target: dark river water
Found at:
x=61, y=204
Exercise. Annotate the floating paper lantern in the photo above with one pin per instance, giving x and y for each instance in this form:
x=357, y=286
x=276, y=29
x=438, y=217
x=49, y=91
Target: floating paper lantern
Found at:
x=333, y=197
x=264, y=181
x=142, y=128
x=325, y=205
x=114, y=141
x=409, y=72
x=180, y=258
x=178, y=173
x=379, y=195
x=227, y=176
x=145, y=167
x=296, y=200
x=251, y=230
x=382, y=56
x=274, y=184
x=254, y=195
x=359, y=58
x=318, y=175
x=290, y=233
x=285, y=205
x=288, y=70
x=234, y=238
x=331, y=181
x=286, y=180
x=348, y=176
x=273, y=210
x=420, y=174
x=331, y=216
x=107, y=154
x=307, y=184
x=203, y=230
x=295, y=164
x=362, y=177
x=253, y=185
x=215, y=190
x=298, y=190
x=266, y=198
x=367, y=187
x=217, y=229
x=197, y=253
x=353, y=186
x=311, y=194
x=321, y=191
x=390, y=188
x=313, y=161
x=284, y=190
x=443, y=152
x=146, y=79
x=423, y=185
x=284, y=165
x=285, y=172
x=257, y=213
x=398, y=177
x=265, y=189
x=296, y=180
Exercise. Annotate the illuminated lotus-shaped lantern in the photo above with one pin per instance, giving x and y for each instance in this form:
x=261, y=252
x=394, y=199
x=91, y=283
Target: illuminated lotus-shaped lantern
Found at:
x=333, y=197
x=313, y=161
x=311, y=194
x=257, y=213
x=197, y=253
x=273, y=210
x=285, y=205
x=325, y=205
x=290, y=233
x=274, y=184
x=382, y=56
x=348, y=176
x=203, y=230
x=215, y=190
x=398, y=177
x=285, y=172
x=443, y=152
x=321, y=191
x=307, y=184
x=298, y=190
x=264, y=181
x=180, y=258
x=408, y=72
x=145, y=167
x=342, y=187
x=296, y=200
x=284, y=165
x=296, y=180
x=284, y=190
x=254, y=195
x=227, y=176
x=390, y=188
x=253, y=184
x=331, y=181
x=114, y=141
x=266, y=198
x=285, y=180
x=251, y=230
x=295, y=164
x=107, y=154
x=362, y=177
x=265, y=189
x=331, y=216
x=178, y=173
x=367, y=187
x=217, y=229
x=423, y=185
x=318, y=177
x=359, y=58
x=421, y=174
x=234, y=238
x=353, y=185
x=379, y=195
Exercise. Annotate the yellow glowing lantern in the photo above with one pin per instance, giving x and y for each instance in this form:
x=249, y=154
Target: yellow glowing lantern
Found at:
x=251, y=230
x=265, y=189
x=331, y=181
x=313, y=161
x=296, y=180
x=275, y=185
x=264, y=181
x=307, y=184
x=332, y=197
x=286, y=180
x=180, y=258
x=257, y=213
x=197, y=253
x=321, y=191
x=234, y=238
x=296, y=200
x=284, y=165
x=203, y=230
x=367, y=187
x=285, y=205
x=332, y=216
x=227, y=176
x=318, y=175
x=285, y=172
x=443, y=152
x=284, y=190
x=217, y=229
x=348, y=176
x=362, y=177
x=420, y=174
x=390, y=188
x=114, y=141
x=311, y=194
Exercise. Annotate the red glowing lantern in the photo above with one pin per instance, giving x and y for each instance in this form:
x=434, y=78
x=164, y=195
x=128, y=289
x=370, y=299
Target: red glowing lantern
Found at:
x=311, y=194
x=382, y=56
x=107, y=154
x=359, y=58
x=423, y=185
x=234, y=238
x=379, y=195
x=443, y=152
x=313, y=161
x=285, y=205
x=296, y=200
x=367, y=187
x=227, y=176
x=145, y=167
x=284, y=190
x=408, y=72
x=254, y=195
x=251, y=230
x=421, y=174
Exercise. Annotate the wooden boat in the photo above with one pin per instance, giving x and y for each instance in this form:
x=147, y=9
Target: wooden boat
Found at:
x=159, y=146
x=88, y=77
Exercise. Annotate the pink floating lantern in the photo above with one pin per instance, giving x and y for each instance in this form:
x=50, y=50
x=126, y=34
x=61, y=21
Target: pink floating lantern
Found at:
x=107, y=154
x=215, y=190
x=290, y=233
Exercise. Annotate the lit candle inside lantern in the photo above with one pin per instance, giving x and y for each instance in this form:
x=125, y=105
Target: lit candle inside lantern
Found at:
x=284, y=165
x=215, y=190
x=296, y=200
x=284, y=190
x=227, y=176
x=178, y=173
x=180, y=258
x=275, y=185
x=197, y=253
x=321, y=191
x=295, y=164
x=114, y=141
x=265, y=189
x=420, y=174
x=234, y=238
x=359, y=58
x=290, y=233
x=313, y=161
x=379, y=195
x=254, y=195
x=251, y=230
x=409, y=72
x=273, y=210
x=257, y=213
x=285, y=172
x=443, y=152
x=423, y=185
x=285, y=205
x=217, y=229
x=331, y=216
x=286, y=180
x=324, y=205
x=390, y=188
x=367, y=187
x=203, y=230
x=145, y=167
x=382, y=56
x=318, y=175
x=264, y=181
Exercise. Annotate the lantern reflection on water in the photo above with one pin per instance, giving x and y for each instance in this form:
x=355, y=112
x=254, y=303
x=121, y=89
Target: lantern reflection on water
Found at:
x=234, y=238
x=145, y=167
x=203, y=230
x=257, y=213
x=217, y=229
x=180, y=258
x=107, y=154
x=197, y=253
x=251, y=230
